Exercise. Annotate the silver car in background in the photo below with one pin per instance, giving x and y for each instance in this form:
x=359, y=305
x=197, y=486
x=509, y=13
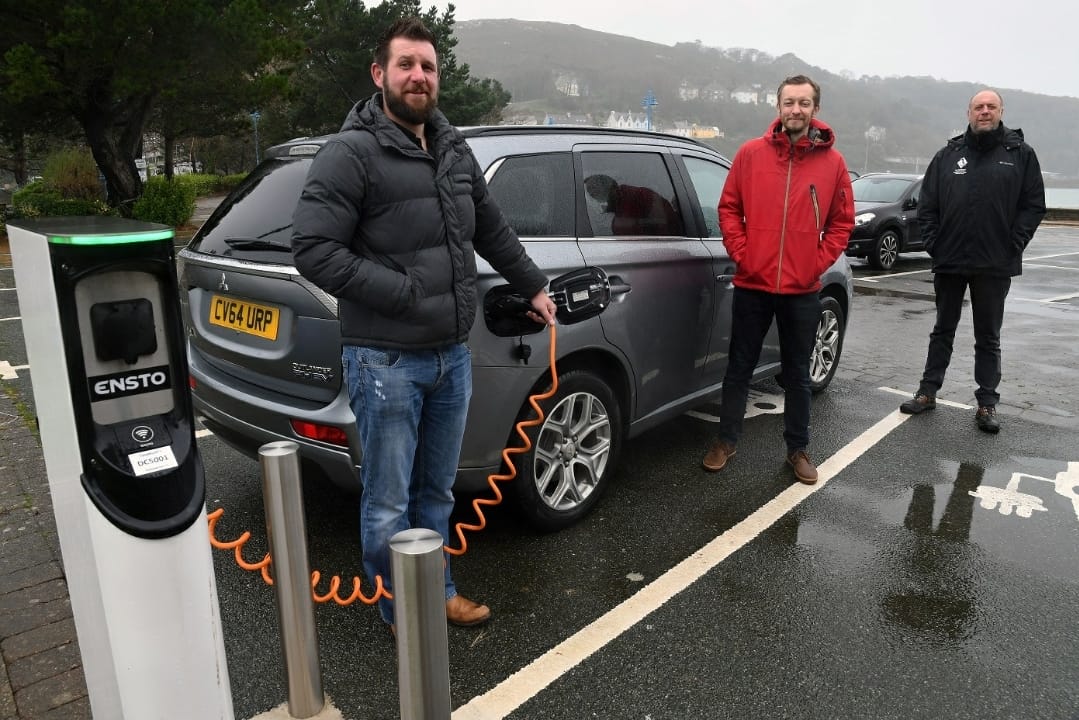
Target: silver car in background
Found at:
x=630, y=212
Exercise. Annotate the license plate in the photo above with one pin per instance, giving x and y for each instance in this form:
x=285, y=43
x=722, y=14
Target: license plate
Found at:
x=243, y=316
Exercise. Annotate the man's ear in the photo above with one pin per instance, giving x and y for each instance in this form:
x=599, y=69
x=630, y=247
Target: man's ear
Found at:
x=377, y=74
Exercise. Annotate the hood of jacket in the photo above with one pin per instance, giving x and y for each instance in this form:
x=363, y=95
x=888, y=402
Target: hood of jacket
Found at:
x=1010, y=138
x=369, y=115
x=819, y=135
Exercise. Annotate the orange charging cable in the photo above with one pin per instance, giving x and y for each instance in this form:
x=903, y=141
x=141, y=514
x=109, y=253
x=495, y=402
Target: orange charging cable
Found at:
x=263, y=566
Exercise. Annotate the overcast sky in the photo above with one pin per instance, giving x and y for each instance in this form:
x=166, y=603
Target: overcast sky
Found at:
x=1031, y=45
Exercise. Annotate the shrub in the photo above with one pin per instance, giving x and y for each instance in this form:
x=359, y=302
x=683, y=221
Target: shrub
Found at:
x=210, y=184
x=164, y=202
x=73, y=173
x=40, y=199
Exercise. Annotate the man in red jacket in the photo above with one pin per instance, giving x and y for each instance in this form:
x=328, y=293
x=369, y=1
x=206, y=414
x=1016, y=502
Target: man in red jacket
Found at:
x=786, y=214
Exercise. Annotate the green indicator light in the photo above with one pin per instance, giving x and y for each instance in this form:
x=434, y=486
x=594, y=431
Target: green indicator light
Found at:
x=111, y=239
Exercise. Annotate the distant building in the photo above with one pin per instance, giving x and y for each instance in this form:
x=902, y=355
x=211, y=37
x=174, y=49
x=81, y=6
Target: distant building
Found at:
x=567, y=119
x=568, y=84
x=705, y=133
x=746, y=96
x=628, y=120
x=687, y=92
x=680, y=128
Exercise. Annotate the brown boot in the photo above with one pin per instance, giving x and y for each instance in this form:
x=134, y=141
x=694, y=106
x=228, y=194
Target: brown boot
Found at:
x=465, y=613
x=803, y=467
x=716, y=458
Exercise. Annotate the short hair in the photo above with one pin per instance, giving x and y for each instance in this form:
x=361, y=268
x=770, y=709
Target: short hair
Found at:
x=995, y=92
x=411, y=28
x=800, y=80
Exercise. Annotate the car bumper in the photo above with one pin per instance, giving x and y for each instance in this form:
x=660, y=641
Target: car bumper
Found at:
x=246, y=421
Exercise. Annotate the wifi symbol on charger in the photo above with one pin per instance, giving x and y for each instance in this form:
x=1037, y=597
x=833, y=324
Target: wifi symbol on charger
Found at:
x=142, y=434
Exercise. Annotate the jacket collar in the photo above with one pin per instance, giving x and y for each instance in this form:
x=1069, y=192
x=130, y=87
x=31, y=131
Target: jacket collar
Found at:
x=369, y=115
x=819, y=136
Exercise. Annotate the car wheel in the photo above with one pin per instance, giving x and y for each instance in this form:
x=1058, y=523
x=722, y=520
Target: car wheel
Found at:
x=573, y=452
x=828, y=345
x=885, y=251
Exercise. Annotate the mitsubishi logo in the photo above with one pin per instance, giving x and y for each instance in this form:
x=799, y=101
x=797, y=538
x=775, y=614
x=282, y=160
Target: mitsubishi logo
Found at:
x=223, y=286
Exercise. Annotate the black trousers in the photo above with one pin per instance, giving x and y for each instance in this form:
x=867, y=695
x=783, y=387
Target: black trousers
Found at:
x=797, y=317
x=987, y=296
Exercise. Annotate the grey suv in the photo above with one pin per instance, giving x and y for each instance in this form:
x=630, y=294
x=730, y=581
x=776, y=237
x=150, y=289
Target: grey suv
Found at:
x=634, y=212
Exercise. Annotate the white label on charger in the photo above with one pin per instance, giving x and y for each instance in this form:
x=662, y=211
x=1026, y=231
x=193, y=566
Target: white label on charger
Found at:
x=148, y=462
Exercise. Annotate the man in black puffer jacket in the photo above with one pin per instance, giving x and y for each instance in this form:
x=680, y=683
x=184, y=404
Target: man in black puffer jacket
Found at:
x=394, y=209
x=981, y=201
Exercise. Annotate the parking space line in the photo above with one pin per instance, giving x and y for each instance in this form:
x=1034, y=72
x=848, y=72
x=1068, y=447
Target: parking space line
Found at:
x=1047, y=257
x=907, y=394
x=530, y=680
x=1043, y=266
x=878, y=278
x=17, y=317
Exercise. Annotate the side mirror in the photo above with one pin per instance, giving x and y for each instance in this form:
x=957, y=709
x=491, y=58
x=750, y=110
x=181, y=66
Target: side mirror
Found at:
x=910, y=203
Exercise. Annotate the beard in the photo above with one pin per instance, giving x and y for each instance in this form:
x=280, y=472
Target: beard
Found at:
x=408, y=113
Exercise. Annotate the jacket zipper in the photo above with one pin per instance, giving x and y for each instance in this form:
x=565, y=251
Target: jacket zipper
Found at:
x=783, y=228
x=816, y=213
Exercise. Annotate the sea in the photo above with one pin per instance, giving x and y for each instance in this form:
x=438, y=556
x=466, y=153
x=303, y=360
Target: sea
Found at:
x=1056, y=197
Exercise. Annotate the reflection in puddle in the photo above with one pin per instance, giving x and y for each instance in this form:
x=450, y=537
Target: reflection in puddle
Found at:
x=935, y=592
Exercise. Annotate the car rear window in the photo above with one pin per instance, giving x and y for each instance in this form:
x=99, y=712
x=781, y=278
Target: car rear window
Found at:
x=879, y=189
x=255, y=221
x=535, y=194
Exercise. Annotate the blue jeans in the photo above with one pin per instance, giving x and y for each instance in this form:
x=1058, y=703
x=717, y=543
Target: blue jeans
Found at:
x=987, y=296
x=797, y=317
x=410, y=409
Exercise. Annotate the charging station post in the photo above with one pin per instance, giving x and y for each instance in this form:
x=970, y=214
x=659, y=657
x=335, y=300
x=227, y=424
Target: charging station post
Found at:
x=100, y=311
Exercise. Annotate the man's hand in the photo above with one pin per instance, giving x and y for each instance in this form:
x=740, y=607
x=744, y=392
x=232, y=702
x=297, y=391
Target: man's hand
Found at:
x=543, y=308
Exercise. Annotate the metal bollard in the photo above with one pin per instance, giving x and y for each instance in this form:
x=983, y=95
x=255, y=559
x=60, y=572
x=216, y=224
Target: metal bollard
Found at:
x=291, y=572
x=419, y=599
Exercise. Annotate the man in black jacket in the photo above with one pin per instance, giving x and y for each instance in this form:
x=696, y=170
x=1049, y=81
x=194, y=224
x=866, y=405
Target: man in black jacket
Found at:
x=394, y=209
x=981, y=201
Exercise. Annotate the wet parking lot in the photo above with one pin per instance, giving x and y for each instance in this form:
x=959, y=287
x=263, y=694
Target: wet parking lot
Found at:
x=932, y=573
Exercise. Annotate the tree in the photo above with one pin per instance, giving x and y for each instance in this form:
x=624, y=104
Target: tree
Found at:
x=339, y=38
x=108, y=63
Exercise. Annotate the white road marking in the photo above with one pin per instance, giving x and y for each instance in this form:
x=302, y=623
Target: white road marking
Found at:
x=530, y=680
x=5, y=289
x=203, y=433
x=1047, y=257
x=878, y=278
x=17, y=317
x=8, y=371
x=907, y=394
x=1042, y=266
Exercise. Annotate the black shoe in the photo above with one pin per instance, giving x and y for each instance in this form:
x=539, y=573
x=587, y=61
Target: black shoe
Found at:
x=986, y=417
x=918, y=403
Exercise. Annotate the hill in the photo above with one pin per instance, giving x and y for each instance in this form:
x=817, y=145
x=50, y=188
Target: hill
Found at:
x=894, y=123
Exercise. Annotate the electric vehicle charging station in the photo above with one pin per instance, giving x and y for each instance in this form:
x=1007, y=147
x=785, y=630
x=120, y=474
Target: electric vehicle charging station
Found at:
x=100, y=310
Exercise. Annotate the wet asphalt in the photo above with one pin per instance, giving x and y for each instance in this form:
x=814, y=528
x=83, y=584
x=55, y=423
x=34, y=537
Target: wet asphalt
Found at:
x=932, y=573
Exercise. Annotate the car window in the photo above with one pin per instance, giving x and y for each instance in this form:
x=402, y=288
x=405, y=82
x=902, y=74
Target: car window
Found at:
x=707, y=179
x=535, y=193
x=630, y=194
x=879, y=189
x=255, y=223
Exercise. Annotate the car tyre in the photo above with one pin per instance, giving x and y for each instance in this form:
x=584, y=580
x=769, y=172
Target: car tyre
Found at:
x=574, y=450
x=831, y=329
x=885, y=251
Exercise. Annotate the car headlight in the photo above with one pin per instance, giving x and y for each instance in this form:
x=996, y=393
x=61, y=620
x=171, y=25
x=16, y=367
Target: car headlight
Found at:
x=863, y=218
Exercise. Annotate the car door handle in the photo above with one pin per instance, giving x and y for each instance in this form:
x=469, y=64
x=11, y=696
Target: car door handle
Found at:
x=724, y=278
x=619, y=287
